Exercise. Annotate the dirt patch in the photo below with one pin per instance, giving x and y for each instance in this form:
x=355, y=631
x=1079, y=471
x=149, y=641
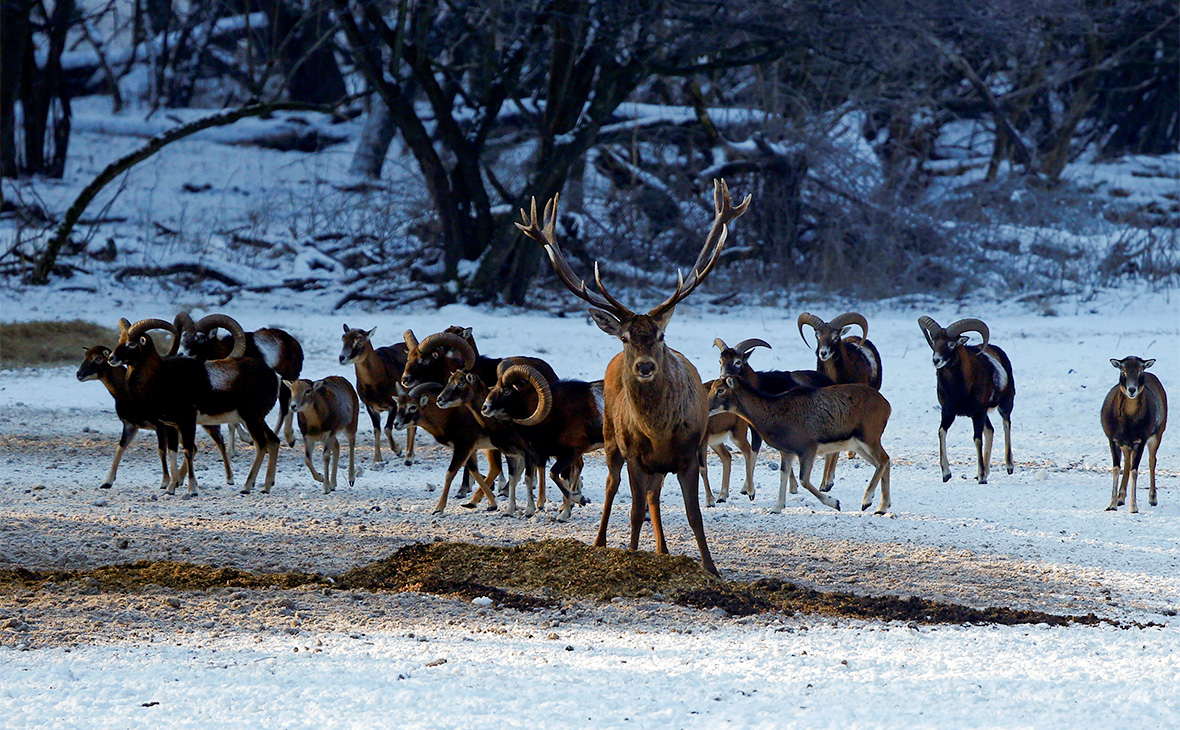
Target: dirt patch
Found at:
x=537, y=575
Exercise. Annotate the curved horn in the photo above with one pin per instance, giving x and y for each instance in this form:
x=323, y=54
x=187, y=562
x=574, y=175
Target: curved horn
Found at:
x=184, y=323
x=719, y=344
x=144, y=325
x=422, y=389
x=930, y=328
x=544, y=392
x=210, y=322
x=124, y=326
x=449, y=340
x=812, y=321
x=750, y=344
x=411, y=340
x=969, y=325
x=855, y=318
x=185, y=328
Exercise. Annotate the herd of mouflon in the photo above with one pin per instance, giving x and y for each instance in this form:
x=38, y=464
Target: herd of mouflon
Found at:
x=650, y=412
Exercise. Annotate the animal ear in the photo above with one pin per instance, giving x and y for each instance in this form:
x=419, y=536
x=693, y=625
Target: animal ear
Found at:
x=962, y=340
x=663, y=320
x=1118, y=363
x=370, y=332
x=424, y=400
x=844, y=329
x=729, y=380
x=345, y=329
x=606, y=322
x=1148, y=363
x=143, y=339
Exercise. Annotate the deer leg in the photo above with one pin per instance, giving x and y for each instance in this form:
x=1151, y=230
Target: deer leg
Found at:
x=541, y=497
x=166, y=442
x=215, y=434
x=1115, y=454
x=265, y=443
x=308, y=450
x=188, y=438
x=709, y=501
x=750, y=457
x=397, y=450
x=516, y=464
x=988, y=435
x=375, y=417
x=1128, y=455
x=806, y=461
x=692, y=510
x=335, y=460
x=1134, y=466
x=614, y=467
x=351, y=454
x=531, y=472
x=652, y=489
x=829, y=479
x=947, y=419
x=726, y=469
x=980, y=425
x=877, y=457
x=460, y=458
x=128, y=435
x=786, y=461
x=1006, y=420
x=411, y=432
x=283, y=425
x=638, y=481
x=1153, y=444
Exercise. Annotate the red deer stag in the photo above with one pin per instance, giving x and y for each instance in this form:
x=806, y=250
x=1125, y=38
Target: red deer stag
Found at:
x=656, y=410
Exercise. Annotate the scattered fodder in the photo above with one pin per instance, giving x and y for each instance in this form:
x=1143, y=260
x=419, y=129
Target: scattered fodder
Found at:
x=542, y=574
x=26, y=344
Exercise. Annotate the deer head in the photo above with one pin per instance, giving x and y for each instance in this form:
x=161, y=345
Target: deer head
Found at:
x=642, y=335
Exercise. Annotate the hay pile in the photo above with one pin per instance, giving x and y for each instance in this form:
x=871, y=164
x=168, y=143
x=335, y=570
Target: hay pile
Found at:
x=536, y=575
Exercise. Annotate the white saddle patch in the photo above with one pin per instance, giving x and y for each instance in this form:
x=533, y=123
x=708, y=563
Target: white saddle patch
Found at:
x=874, y=366
x=269, y=346
x=999, y=374
x=221, y=375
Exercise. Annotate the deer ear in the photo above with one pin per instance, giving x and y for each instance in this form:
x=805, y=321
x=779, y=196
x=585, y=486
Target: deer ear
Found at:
x=370, y=332
x=606, y=322
x=1118, y=363
x=1149, y=363
x=345, y=329
x=663, y=320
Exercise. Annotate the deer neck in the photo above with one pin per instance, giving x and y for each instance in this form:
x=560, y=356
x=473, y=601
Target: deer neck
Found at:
x=666, y=402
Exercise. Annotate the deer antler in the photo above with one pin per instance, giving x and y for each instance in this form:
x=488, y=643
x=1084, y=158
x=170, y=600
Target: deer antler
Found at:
x=725, y=212
x=547, y=237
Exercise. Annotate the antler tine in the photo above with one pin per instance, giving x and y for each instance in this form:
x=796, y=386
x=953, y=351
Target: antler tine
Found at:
x=547, y=237
x=602, y=288
x=724, y=212
x=695, y=277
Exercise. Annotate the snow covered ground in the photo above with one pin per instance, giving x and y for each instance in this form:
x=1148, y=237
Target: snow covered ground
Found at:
x=1036, y=539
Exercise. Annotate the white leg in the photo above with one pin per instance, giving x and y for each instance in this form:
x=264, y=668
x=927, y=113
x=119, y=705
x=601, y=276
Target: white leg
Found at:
x=786, y=462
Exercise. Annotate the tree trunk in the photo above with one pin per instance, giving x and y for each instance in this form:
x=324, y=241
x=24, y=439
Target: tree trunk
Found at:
x=374, y=143
x=15, y=41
